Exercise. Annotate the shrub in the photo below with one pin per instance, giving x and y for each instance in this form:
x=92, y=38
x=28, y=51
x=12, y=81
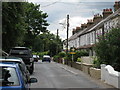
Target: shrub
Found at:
x=108, y=48
x=62, y=54
x=56, y=58
x=78, y=59
x=79, y=54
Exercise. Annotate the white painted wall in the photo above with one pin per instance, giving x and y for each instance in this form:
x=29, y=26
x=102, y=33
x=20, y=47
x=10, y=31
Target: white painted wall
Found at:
x=112, y=23
x=110, y=76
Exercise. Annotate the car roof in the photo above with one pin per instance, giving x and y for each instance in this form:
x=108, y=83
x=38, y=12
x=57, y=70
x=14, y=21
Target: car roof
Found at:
x=19, y=47
x=11, y=59
x=8, y=64
x=46, y=56
x=26, y=48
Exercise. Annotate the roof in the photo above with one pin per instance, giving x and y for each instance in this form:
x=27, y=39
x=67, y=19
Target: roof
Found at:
x=91, y=28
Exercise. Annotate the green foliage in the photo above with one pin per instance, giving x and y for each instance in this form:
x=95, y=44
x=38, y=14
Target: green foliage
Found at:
x=68, y=57
x=13, y=24
x=24, y=24
x=36, y=22
x=62, y=54
x=97, y=62
x=51, y=43
x=56, y=58
x=108, y=48
x=59, y=55
x=79, y=54
x=78, y=59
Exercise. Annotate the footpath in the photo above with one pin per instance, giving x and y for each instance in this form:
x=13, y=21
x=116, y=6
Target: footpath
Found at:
x=78, y=72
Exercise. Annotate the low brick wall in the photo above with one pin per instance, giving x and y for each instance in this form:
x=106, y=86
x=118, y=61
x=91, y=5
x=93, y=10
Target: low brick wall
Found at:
x=77, y=65
x=95, y=73
x=86, y=68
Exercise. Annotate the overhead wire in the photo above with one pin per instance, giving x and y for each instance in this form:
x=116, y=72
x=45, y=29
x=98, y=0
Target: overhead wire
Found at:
x=51, y=3
x=59, y=1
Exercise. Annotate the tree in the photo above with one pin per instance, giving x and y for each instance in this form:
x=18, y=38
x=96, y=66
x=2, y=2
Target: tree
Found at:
x=22, y=22
x=13, y=25
x=49, y=42
x=36, y=22
x=108, y=48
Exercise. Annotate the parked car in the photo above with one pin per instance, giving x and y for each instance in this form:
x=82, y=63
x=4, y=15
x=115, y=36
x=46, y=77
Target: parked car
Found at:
x=12, y=78
x=26, y=54
x=35, y=58
x=20, y=62
x=46, y=58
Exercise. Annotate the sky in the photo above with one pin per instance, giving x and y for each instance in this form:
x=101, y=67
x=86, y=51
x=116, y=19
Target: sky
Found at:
x=78, y=10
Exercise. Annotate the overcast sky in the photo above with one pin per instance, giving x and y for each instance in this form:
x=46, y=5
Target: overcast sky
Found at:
x=78, y=10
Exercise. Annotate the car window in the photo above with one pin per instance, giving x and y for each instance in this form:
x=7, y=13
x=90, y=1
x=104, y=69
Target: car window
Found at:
x=8, y=77
x=20, y=51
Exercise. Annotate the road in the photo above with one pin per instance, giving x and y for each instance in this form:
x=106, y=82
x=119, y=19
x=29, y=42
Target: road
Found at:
x=54, y=75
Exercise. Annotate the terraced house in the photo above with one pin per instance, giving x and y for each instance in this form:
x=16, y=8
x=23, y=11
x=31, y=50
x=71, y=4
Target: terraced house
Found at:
x=86, y=36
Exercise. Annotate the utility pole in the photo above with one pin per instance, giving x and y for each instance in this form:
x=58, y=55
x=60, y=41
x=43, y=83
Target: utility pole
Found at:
x=57, y=40
x=67, y=33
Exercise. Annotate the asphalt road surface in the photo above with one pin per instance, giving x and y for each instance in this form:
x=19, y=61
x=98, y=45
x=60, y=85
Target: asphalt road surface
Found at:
x=54, y=75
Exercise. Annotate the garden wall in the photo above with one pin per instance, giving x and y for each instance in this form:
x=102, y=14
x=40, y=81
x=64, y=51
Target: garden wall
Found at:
x=86, y=66
x=95, y=73
x=110, y=76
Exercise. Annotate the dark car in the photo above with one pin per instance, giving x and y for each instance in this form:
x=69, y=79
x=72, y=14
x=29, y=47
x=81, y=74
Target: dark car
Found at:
x=26, y=55
x=11, y=77
x=46, y=58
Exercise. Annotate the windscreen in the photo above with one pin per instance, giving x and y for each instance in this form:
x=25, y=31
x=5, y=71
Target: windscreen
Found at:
x=19, y=51
x=8, y=77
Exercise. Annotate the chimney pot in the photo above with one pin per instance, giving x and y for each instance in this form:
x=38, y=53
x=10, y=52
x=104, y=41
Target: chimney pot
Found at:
x=110, y=9
x=107, y=12
x=116, y=5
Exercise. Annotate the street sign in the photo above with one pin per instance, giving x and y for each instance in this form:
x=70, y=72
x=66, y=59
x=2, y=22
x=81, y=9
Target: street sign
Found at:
x=72, y=53
x=72, y=50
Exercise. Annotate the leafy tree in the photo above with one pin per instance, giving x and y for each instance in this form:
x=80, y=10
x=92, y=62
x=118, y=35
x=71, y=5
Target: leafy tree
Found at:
x=36, y=22
x=13, y=25
x=108, y=48
x=50, y=43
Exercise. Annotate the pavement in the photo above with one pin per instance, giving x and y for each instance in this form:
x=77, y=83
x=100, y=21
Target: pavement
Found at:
x=78, y=72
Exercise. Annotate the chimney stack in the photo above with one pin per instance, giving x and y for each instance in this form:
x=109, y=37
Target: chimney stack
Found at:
x=78, y=29
x=107, y=12
x=97, y=18
x=74, y=31
x=83, y=26
x=116, y=5
x=89, y=23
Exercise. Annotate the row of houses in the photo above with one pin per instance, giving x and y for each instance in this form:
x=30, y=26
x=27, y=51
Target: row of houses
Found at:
x=86, y=36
